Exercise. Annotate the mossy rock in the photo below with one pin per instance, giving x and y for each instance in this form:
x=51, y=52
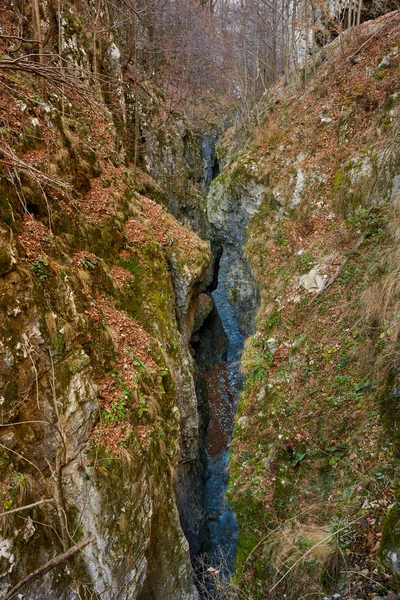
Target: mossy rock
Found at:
x=389, y=403
x=390, y=544
x=251, y=515
x=6, y=262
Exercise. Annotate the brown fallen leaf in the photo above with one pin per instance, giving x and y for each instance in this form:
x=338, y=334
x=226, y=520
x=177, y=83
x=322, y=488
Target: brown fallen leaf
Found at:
x=376, y=547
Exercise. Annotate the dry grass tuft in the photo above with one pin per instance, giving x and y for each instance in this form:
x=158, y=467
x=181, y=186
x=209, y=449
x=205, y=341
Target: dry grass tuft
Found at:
x=380, y=303
x=294, y=540
x=303, y=555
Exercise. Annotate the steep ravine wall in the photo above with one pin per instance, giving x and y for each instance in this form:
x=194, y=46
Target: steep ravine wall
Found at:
x=101, y=292
x=231, y=203
x=314, y=464
x=112, y=402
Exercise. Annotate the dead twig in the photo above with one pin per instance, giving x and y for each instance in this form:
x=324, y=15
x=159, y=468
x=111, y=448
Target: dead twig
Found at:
x=44, y=71
x=15, y=161
x=369, y=40
x=26, y=507
x=340, y=268
x=57, y=560
x=17, y=37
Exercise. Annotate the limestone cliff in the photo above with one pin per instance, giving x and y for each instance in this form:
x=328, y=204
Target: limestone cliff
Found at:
x=99, y=295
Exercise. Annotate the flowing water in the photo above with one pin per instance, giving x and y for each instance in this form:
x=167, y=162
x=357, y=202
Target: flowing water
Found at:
x=224, y=383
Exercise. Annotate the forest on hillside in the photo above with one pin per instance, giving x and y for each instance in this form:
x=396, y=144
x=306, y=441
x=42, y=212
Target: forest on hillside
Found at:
x=196, y=51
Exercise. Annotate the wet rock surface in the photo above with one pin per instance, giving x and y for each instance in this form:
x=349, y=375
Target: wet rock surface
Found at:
x=231, y=203
x=229, y=208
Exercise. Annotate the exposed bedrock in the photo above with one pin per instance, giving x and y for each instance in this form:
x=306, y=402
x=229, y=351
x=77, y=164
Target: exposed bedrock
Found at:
x=232, y=201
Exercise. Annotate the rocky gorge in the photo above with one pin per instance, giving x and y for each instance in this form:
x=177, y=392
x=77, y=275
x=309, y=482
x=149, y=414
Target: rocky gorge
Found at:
x=108, y=329
x=151, y=289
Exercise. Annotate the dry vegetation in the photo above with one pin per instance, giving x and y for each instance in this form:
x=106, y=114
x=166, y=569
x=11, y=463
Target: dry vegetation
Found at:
x=322, y=467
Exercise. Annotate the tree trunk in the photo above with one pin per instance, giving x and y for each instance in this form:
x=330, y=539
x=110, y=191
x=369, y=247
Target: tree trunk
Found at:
x=39, y=37
x=136, y=71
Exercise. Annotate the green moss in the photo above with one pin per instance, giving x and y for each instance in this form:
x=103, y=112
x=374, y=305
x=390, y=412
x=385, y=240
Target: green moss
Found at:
x=5, y=261
x=283, y=487
x=78, y=362
x=271, y=322
x=5, y=463
x=148, y=187
x=390, y=541
x=340, y=179
x=304, y=262
x=104, y=241
x=234, y=294
x=245, y=170
x=389, y=405
x=131, y=264
x=252, y=516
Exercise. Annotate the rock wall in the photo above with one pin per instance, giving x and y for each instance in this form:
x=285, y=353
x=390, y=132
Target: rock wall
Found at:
x=233, y=199
x=180, y=160
x=100, y=293
x=105, y=407
x=314, y=458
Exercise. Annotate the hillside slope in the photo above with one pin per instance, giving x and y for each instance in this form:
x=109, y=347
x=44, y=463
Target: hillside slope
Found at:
x=315, y=454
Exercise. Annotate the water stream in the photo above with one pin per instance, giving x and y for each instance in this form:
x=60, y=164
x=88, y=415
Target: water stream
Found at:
x=224, y=383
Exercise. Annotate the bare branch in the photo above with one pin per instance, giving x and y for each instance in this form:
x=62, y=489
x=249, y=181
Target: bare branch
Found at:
x=17, y=37
x=26, y=507
x=15, y=161
x=57, y=560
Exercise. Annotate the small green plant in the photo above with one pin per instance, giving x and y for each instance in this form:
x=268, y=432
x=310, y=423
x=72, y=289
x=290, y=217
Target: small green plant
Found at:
x=342, y=381
x=19, y=478
x=8, y=504
x=344, y=362
x=118, y=410
x=161, y=434
x=6, y=132
x=88, y=263
x=258, y=360
x=378, y=75
x=39, y=268
x=139, y=364
x=360, y=387
x=349, y=272
x=328, y=353
x=280, y=237
x=142, y=406
x=335, y=402
x=359, y=217
x=298, y=457
x=344, y=533
x=303, y=543
x=304, y=262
